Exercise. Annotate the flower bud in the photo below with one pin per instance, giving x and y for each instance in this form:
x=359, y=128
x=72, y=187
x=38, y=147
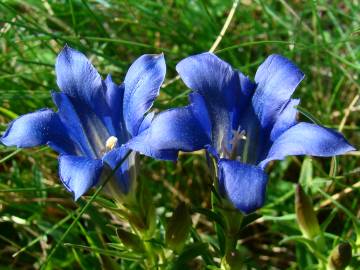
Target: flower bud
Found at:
x=340, y=257
x=305, y=214
x=178, y=228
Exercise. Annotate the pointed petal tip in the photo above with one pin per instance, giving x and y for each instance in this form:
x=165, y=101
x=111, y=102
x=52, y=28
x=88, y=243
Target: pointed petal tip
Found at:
x=79, y=174
x=65, y=51
x=4, y=141
x=3, y=138
x=108, y=78
x=76, y=196
x=308, y=139
x=142, y=85
x=161, y=59
x=350, y=148
x=67, y=55
x=37, y=128
x=154, y=56
x=277, y=61
x=68, y=48
x=159, y=55
x=277, y=78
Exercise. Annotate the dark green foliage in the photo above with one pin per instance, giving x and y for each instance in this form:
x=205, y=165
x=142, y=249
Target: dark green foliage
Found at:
x=178, y=228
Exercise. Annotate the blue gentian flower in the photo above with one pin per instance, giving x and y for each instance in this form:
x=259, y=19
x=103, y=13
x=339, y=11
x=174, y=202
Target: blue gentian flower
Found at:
x=243, y=124
x=94, y=119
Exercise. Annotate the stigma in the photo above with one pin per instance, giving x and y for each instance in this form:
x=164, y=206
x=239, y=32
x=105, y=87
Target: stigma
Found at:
x=232, y=153
x=111, y=143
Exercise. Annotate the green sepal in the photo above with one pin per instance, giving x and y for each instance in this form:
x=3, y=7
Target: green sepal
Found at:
x=305, y=214
x=178, y=228
x=130, y=240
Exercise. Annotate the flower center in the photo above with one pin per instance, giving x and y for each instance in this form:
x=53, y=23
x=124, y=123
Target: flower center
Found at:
x=111, y=143
x=232, y=153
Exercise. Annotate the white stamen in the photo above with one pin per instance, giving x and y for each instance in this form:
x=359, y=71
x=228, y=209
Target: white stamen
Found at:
x=111, y=142
x=231, y=153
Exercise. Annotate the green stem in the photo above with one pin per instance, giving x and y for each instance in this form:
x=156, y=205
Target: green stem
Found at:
x=152, y=259
x=82, y=211
x=142, y=217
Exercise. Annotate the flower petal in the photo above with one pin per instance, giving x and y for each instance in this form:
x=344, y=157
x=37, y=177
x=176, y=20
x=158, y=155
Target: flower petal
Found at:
x=247, y=88
x=307, y=139
x=78, y=78
x=145, y=124
x=142, y=85
x=114, y=99
x=277, y=79
x=82, y=124
x=114, y=96
x=123, y=173
x=181, y=129
x=285, y=120
x=39, y=128
x=79, y=174
x=244, y=184
x=218, y=83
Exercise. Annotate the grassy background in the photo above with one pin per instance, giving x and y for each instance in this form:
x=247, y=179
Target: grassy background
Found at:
x=321, y=37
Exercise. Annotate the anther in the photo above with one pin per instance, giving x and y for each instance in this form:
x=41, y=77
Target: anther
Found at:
x=111, y=143
x=238, y=135
x=232, y=153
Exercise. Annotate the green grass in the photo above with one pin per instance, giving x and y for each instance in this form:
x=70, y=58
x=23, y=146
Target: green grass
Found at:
x=321, y=37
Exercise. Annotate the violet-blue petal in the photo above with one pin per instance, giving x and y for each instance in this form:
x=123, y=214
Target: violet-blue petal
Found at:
x=285, y=120
x=244, y=96
x=114, y=96
x=39, y=128
x=72, y=123
x=200, y=112
x=251, y=149
x=308, y=139
x=114, y=99
x=139, y=144
x=145, y=124
x=181, y=129
x=78, y=78
x=244, y=184
x=218, y=83
x=276, y=80
x=79, y=174
x=82, y=124
x=122, y=174
x=142, y=84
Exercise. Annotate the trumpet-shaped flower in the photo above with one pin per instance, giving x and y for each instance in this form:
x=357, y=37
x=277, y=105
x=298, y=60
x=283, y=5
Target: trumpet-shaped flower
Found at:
x=95, y=118
x=243, y=124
